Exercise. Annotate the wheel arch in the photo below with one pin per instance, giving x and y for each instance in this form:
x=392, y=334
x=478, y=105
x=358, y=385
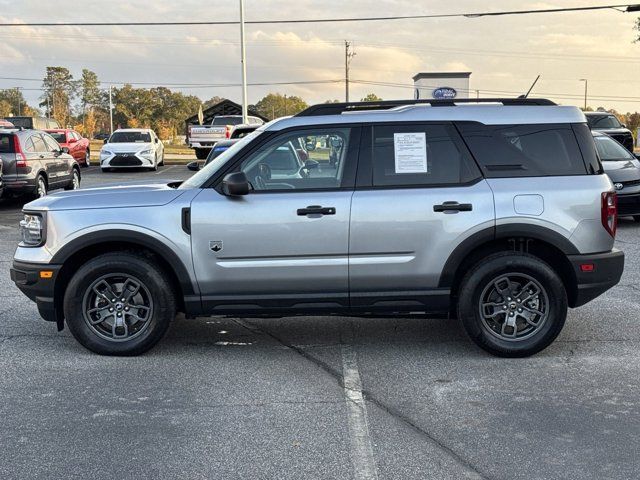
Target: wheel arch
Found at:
x=82, y=249
x=544, y=243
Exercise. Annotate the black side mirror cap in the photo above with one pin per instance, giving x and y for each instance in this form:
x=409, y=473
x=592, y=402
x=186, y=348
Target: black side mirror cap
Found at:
x=193, y=166
x=235, y=184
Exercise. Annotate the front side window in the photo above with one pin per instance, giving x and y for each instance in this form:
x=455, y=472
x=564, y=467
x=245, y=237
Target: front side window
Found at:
x=524, y=150
x=52, y=145
x=419, y=155
x=59, y=137
x=301, y=160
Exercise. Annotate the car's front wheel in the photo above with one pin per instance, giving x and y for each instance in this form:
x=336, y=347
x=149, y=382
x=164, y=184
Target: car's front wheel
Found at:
x=512, y=304
x=87, y=158
x=119, y=304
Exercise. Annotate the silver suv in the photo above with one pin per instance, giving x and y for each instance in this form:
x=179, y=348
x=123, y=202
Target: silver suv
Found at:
x=497, y=211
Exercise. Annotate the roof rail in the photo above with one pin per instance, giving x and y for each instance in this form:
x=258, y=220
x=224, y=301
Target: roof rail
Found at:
x=338, y=108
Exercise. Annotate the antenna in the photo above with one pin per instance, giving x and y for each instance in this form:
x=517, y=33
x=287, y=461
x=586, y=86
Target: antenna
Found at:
x=526, y=95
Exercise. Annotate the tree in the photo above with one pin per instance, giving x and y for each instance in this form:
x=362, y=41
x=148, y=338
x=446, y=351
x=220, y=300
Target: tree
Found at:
x=5, y=108
x=275, y=105
x=371, y=97
x=88, y=89
x=59, y=90
x=332, y=101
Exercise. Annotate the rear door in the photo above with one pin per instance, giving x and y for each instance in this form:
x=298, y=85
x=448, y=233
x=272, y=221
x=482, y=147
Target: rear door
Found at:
x=419, y=194
x=59, y=161
x=41, y=157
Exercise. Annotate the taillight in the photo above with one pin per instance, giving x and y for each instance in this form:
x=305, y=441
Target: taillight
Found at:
x=610, y=212
x=227, y=131
x=21, y=159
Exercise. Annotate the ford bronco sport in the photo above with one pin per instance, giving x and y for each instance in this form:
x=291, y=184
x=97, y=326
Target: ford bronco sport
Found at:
x=496, y=211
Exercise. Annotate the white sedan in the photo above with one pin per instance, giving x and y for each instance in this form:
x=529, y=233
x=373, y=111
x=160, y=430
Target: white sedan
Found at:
x=131, y=148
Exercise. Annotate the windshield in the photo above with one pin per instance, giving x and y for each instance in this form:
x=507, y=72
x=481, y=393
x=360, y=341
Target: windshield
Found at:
x=60, y=137
x=227, y=121
x=603, y=121
x=210, y=169
x=609, y=149
x=130, y=137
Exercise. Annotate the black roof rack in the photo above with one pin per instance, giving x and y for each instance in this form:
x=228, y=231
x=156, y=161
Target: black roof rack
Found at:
x=338, y=108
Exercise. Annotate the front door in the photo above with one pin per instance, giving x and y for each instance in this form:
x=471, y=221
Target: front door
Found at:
x=419, y=195
x=285, y=244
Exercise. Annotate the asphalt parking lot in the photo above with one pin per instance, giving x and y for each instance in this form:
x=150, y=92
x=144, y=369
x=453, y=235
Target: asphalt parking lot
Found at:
x=320, y=397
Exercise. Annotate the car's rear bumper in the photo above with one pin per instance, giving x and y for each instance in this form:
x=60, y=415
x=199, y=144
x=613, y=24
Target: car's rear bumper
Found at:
x=595, y=274
x=28, y=278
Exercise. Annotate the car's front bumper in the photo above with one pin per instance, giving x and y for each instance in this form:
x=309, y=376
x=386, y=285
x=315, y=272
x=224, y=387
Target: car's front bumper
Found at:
x=36, y=283
x=595, y=274
x=127, y=160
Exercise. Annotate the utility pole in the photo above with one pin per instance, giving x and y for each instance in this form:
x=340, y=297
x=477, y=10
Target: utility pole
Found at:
x=586, y=88
x=110, y=110
x=243, y=60
x=348, y=55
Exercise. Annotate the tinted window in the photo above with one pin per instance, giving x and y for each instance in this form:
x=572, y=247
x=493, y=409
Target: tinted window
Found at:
x=130, y=137
x=609, y=149
x=24, y=122
x=524, y=150
x=418, y=155
x=39, y=144
x=588, y=148
x=59, y=137
x=227, y=121
x=6, y=143
x=309, y=159
x=603, y=121
x=52, y=145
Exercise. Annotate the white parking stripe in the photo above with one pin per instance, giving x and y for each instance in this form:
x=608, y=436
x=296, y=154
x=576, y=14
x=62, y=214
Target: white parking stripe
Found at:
x=166, y=169
x=362, y=460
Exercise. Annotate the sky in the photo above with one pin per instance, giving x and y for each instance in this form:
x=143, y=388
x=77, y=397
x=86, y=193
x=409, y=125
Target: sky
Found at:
x=504, y=54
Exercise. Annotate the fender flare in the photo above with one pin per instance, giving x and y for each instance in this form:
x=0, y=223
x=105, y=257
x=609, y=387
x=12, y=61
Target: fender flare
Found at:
x=512, y=230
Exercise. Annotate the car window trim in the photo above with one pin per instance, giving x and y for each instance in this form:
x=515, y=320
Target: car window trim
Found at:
x=348, y=178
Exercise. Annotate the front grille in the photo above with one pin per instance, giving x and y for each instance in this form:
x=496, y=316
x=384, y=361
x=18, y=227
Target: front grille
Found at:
x=632, y=183
x=125, y=160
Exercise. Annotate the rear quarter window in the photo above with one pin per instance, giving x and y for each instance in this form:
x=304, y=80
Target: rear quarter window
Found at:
x=524, y=150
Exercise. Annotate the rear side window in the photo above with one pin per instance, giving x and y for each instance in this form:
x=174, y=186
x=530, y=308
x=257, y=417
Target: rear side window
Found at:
x=38, y=143
x=6, y=144
x=524, y=150
x=588, y=148
x=420, y=155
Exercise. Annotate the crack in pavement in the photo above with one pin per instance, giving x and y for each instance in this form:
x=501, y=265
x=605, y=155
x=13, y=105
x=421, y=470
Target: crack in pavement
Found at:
x=368, y=396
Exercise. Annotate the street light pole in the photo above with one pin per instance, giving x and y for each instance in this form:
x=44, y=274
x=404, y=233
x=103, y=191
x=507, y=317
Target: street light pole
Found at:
x=18, y=97
x=586, y=87
x=243, y=54
x=110, y=111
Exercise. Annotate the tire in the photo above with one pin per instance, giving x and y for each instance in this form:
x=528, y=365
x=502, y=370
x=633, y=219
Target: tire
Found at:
x=75, y=181
x=105, y=169
x=87, y=291
x=87, y=159
x=201, y=153
x=41, y=188
x=162, y=160
x=481, y=306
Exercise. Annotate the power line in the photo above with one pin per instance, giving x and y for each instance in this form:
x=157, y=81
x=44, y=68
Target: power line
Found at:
x=628, y=7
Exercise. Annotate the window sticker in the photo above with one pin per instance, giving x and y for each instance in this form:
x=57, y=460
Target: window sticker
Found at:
x=410, y=151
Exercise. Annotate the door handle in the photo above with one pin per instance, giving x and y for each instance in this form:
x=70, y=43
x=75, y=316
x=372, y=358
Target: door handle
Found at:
x=453, y=207
x=316, y=210
x=41, y=156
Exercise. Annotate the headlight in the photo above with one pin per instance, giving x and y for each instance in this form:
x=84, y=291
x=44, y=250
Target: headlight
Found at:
x=146, y=153
x=105, y=153
x=32, y=230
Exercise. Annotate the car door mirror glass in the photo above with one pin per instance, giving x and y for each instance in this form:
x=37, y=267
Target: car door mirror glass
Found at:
x=235, y=184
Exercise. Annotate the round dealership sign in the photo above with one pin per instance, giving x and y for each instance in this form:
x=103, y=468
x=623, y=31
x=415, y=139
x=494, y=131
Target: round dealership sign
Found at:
x=444, y=93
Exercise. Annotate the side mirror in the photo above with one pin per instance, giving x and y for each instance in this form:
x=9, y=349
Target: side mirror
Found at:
x=193, y=166
x=311, y=164
x=157, y=140
x=64, y=150
x=72, y=140
x=235, y=184
x=623, y=125
x=106, y=140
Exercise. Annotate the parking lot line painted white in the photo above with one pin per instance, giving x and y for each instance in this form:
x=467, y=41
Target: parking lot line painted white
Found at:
x=362, y=459
x=166, y=169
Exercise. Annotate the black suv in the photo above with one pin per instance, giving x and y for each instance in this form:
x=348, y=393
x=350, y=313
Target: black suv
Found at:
x=606, y=122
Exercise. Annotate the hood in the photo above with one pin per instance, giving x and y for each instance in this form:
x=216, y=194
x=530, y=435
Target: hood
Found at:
x=127, y=147
x=622, y=170
x=108, y=196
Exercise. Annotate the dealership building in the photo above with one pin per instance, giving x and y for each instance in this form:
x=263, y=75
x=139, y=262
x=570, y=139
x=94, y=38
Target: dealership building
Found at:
x=441, y=85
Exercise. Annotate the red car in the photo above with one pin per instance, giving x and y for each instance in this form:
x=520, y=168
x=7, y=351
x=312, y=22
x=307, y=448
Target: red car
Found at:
x=78, y=145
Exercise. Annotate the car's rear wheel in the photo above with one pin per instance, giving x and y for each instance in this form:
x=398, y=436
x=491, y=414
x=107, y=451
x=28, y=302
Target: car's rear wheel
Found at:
x=41, y=187
x=119, y=304
x=75, y=181
x=512, y=304
x=87, y=158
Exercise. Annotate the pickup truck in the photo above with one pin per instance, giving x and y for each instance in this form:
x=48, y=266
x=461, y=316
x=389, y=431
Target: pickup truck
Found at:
x=202, y=138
